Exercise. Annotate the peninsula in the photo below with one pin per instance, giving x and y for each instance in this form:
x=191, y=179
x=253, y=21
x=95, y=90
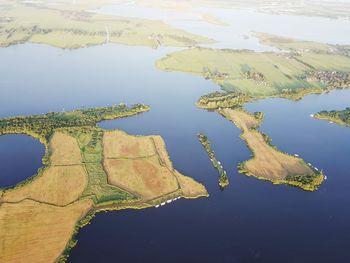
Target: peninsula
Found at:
x=268, y=163
x=300, y=68
x=341, y=117
x=86, y=170
x=223, y=179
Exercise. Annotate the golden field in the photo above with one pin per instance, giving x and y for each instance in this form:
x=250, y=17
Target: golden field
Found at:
x=268, y=162
x=38, y=218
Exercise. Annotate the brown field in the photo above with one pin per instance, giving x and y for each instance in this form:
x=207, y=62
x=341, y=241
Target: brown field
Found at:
x=65, y=149
x=38, y=218
x=143, y=176
x=33, y=232
x=242, y=119
x=58, y=185
x=118, y=144
x=147, y=169
x=268, y=162
x=162, y=152
x=190, y=188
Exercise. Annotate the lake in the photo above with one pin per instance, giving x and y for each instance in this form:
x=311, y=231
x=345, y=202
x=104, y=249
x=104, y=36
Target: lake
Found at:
x=240, y=24
x=250, y=221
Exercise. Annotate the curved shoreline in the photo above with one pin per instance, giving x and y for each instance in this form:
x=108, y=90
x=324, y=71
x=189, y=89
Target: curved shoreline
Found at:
x=223, y=179
x=268, y=162
x=340, y=117
x=82, y=146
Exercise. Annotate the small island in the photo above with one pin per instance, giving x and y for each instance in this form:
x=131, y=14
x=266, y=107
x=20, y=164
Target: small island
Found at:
x=86, y=170
x=223, y=180
x=341, y=117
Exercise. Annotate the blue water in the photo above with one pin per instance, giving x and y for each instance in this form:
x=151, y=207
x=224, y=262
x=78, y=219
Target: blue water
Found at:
x=20, y=157
x=250, y=221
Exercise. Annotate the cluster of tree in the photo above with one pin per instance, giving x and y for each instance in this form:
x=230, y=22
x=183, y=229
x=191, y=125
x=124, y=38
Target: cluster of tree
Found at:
x=303, y=179
x=226, y=99
x=343, y=50
x=342, y=116
x=81, y=32
x=214, y=74
x=259, y=116
x=223, y=180
x=254, y=75
x=44, y=125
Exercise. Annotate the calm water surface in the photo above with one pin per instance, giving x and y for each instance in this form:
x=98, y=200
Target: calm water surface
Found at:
x=20, y=157
x=240, y=24
x=250, y=221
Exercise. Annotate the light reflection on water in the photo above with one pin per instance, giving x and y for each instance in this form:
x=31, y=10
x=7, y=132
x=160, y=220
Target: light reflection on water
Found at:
x=240, y=24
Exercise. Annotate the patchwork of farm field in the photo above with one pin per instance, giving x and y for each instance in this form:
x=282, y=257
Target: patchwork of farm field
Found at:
x=86, y=170
x=65, y=26
x=141, y=164
x=267, y=74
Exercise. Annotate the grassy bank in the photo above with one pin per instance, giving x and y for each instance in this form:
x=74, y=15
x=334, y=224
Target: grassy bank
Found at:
x=223, y=179
x=341, y=117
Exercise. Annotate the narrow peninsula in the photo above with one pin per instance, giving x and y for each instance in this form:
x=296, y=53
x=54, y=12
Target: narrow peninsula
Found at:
x=268, y=163
x=223, y=179
x=86, y=170
x=296, y=69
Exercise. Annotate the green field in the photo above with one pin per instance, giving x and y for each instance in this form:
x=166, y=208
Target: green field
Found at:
x=77, y=180
x=68, y=26
x=284, y=43
x=261, y=74
x=90, y=144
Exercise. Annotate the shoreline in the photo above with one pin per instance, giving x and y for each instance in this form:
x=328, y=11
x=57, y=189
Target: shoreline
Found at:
x=284, y=168
x=69, y=146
